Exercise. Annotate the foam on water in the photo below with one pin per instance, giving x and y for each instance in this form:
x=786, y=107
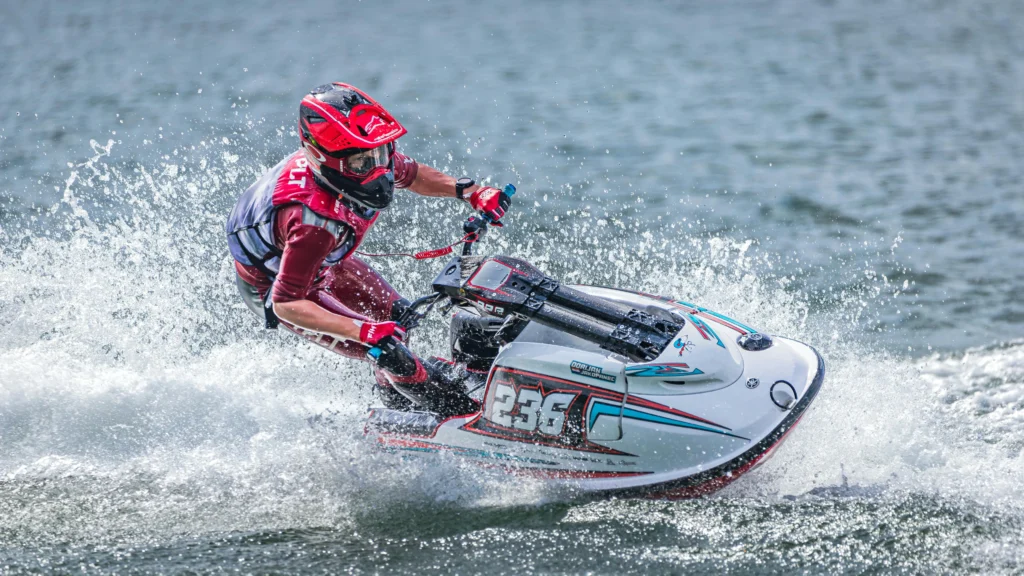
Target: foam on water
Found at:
x=140, y=399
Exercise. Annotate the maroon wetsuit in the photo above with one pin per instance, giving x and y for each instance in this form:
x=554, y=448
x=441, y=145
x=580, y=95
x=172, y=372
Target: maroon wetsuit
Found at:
x=349, y=288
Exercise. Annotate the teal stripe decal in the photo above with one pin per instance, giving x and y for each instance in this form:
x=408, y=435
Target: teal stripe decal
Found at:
x=730, y=320
x=717, y=315
x=601, y=408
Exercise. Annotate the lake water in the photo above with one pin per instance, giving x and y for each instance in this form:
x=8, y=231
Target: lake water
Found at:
x=846, y=173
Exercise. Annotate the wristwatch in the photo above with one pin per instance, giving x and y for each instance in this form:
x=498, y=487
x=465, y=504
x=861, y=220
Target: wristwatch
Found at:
x=460, y=186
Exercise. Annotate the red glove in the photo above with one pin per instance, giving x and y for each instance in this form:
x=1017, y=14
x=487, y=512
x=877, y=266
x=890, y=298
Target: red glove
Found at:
x=490, y=201
x=373, y=332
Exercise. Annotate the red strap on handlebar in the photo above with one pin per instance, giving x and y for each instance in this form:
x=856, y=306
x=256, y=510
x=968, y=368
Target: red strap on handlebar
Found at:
x=424, y=255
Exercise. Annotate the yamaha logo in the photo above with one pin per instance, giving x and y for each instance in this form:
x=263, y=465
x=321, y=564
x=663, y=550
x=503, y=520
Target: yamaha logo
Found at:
x=752, y=383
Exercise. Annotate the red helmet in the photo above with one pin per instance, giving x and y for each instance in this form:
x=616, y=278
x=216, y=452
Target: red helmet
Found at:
x=348, y=139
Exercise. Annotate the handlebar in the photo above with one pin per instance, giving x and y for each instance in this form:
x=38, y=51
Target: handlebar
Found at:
x=475, y=227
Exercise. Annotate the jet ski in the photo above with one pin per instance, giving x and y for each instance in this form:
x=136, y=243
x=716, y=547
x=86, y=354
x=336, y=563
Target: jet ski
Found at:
x=611, y=392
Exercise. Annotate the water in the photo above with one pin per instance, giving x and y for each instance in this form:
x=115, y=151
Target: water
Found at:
x=846, y=173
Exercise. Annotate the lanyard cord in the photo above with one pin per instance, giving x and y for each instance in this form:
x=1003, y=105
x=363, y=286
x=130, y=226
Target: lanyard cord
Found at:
x=425, y=255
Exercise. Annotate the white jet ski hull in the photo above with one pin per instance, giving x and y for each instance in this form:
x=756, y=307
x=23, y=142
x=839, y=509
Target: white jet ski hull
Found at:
x=687, y=423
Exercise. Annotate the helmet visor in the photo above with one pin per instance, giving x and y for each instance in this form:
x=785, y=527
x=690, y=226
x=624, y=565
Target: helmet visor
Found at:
x=365, y=161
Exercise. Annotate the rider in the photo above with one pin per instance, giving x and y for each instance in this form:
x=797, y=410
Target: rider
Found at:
x=293, y=235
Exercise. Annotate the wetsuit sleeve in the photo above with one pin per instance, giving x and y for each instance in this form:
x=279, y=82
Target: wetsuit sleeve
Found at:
x=405, y=170
x=305, y=247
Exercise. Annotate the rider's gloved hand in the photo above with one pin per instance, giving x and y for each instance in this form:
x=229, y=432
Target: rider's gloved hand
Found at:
x=490, y=201
x=373, y=332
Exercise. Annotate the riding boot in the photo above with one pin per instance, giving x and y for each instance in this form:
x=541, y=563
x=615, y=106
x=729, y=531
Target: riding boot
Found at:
x=389, y=396
x=430, y=385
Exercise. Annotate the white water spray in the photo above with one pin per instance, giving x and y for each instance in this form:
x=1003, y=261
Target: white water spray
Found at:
x=139, y=398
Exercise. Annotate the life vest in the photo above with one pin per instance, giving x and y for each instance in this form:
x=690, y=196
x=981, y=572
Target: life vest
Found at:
x=250, y=226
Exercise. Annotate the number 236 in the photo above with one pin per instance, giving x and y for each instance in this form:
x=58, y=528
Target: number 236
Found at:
x=537, y=412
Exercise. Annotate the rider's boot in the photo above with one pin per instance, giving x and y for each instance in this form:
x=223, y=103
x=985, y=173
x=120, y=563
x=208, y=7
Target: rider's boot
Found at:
x=431, y=385
x=468, y=378
x=389, y=396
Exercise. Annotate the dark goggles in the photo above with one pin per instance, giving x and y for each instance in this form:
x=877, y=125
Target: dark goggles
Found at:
x=365, y=161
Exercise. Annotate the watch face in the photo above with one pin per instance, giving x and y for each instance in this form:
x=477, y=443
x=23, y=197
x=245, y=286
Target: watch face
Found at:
x=464, y=182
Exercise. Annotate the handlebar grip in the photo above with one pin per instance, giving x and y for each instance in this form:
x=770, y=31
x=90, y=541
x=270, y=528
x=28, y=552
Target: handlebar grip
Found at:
x=374, y=353
x=474, y=225
x=477, y=223
x=509, y=191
